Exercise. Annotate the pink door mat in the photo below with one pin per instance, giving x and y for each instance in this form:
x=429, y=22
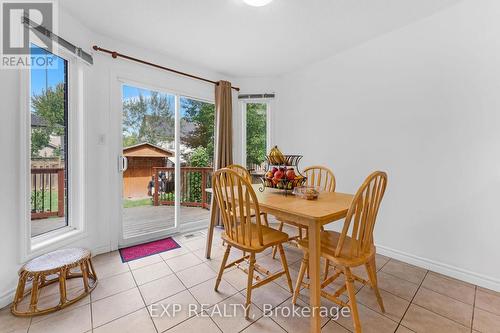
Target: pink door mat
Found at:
x=148, y=249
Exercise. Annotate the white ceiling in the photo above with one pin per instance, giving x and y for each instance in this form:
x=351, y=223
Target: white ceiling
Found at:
x=232, y=38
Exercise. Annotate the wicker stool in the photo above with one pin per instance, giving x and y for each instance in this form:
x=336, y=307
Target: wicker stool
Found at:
x=50, y=268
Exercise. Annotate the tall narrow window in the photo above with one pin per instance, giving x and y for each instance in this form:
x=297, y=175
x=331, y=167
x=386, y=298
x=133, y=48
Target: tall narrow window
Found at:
x=256, y=136
x=49, y=144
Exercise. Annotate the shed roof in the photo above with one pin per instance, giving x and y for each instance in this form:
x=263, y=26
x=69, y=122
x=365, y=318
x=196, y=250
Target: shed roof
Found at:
x=146, y=150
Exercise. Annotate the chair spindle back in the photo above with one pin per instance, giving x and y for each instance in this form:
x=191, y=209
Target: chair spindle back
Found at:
x=236, y=199
x=362, y=215
x=321, y=177
x=241, y=170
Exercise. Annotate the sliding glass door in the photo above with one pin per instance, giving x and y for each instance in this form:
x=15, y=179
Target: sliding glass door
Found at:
x=165, y=163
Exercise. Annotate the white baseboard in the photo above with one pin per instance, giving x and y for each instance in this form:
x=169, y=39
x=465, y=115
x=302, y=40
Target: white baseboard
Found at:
x=6, y=298
x=442, y=268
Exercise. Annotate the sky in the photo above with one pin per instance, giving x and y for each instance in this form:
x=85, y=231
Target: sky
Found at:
x=41, y=78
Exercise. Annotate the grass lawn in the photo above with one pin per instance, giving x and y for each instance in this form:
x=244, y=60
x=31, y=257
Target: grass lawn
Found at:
x=127, y=203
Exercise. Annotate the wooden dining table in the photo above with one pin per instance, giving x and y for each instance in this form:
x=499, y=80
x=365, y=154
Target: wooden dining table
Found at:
x=312, y=214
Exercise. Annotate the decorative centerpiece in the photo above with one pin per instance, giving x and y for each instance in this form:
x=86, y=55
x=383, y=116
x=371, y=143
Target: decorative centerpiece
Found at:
x=282, y=171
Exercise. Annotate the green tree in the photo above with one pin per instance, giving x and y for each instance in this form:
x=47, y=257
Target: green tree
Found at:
x=40, y=139
x=148, y=119
x=198, y=158
x=49, y=108
x=256, y=133
x=201, y=116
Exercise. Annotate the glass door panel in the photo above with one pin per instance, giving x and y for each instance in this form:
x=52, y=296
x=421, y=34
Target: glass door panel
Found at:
x=148, y=162
x=196, y=154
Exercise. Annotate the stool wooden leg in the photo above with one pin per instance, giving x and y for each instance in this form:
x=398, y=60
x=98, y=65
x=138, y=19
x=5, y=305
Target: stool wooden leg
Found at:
x=94, y=275
x=85, y=277
x=20, y=290
x=62, y=286
x=34, y=293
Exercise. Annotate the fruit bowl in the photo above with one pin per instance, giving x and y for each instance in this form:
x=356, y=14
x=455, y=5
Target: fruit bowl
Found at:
x=284, y=183
x=282, y=171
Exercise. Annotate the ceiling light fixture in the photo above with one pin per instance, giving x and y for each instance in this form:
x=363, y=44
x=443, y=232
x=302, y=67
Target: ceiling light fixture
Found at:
x=257, y=3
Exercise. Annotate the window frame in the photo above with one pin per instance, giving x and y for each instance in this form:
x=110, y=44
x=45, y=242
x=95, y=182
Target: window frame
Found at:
x=75, y=210
x=243, y=109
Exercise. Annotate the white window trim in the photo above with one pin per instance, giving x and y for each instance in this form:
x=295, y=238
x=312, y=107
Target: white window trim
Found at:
x=76, y=229
x=243, y=113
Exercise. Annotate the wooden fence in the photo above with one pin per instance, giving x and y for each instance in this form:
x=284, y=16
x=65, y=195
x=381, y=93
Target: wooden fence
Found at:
x=47, y=193
x=194, y=182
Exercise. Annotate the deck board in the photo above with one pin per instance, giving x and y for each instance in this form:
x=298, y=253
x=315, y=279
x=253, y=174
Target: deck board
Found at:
x=136, y=220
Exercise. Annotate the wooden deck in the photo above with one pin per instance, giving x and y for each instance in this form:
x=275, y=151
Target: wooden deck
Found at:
x=142, y=220
x=136, y=221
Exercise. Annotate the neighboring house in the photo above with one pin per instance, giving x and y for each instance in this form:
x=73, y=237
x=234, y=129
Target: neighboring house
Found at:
x=47, y=156
x=141, y=159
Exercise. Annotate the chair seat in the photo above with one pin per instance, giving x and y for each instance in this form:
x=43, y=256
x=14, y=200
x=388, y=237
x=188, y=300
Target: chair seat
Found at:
x=329, y=241
x=270, y=237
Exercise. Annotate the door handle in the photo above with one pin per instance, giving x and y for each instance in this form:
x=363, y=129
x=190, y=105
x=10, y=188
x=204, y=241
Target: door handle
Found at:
x=122, y=163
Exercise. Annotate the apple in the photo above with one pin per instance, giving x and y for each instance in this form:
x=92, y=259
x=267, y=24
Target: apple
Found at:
x=279, y=174
x=290, y=174
x=274, y=169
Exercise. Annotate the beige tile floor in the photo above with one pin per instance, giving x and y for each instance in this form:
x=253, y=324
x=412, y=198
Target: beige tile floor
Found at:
x=416, y=300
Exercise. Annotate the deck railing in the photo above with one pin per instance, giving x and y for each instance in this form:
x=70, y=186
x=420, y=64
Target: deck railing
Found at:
x=47, y=193
x=194, y=182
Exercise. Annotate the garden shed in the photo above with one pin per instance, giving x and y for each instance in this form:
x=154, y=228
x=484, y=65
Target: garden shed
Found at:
x=141, y=159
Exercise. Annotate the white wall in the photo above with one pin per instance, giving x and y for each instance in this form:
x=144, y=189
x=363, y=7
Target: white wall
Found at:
x=99, y=109
x=423, y=104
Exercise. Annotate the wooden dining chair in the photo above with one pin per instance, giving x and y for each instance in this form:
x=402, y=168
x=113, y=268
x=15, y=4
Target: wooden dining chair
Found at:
x=352, y=247
x=317, y=176
x=242, y=171
x=235, y=197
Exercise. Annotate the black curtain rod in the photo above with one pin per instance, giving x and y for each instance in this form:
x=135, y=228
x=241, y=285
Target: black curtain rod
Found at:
x=115, y=55
x=59, y=40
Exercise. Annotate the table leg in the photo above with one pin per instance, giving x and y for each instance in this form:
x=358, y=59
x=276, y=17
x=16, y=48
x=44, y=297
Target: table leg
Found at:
x=211, y=227
x=314, y=272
